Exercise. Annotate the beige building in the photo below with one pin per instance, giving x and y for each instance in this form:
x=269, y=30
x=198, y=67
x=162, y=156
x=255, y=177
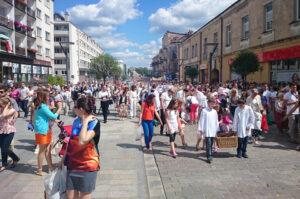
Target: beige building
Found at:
x=269, y=28
x=26, y=34
x=167, y=62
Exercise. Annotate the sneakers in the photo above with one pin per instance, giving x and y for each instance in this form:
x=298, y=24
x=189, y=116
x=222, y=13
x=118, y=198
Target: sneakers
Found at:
x=245, y=155
x=174, y=154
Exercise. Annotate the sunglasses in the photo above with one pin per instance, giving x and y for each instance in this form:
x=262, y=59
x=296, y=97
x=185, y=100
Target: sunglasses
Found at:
x=1, y=91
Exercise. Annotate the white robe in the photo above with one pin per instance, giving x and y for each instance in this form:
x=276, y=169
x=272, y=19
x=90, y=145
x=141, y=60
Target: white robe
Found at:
x=202, y=101
x=243, y=118
x=208, y=122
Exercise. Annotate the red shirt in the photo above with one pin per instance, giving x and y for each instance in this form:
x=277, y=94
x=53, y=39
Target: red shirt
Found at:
x=148, y=113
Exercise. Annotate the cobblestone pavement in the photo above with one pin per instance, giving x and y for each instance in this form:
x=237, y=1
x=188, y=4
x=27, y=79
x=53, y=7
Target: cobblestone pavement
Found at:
x=122, y=172
x=271, y=171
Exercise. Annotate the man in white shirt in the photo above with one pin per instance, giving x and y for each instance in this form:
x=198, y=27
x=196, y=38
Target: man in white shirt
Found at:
x=156, y=94
x=165, y=99
x=209, y=125
x=290, y=99
x=24, y=95
x=243, y=122
x=104, y=96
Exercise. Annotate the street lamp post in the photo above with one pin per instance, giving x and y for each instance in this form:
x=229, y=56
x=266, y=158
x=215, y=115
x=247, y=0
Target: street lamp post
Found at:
x=67, y=57
x=210, y=58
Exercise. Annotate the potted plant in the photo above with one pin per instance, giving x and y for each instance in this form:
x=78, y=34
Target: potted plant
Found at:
x=17, y=25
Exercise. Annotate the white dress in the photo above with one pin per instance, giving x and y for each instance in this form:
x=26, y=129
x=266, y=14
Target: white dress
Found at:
x=172, y=118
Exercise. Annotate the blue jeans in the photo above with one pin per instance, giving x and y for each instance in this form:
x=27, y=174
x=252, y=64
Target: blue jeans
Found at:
x=24, y=104
x=242, y=146
x=148, y=131
x=5, y=140
x=209, y=144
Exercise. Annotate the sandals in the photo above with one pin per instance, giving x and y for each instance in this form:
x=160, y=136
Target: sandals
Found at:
x=14, y=164
x=2, y=169
x=40, y=172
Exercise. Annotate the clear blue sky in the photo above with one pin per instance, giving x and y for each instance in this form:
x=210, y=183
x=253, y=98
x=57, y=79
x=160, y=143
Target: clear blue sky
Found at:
x=131, y=29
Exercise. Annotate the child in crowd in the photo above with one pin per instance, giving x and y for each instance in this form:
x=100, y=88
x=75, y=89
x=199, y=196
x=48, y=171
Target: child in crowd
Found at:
x=243, y=122
x=224, y=120
x=181, y=122
x=280, y=113
x=209, y=126
x=172, y=118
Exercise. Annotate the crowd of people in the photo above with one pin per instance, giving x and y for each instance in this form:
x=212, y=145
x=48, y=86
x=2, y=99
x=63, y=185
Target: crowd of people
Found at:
x=246, y=109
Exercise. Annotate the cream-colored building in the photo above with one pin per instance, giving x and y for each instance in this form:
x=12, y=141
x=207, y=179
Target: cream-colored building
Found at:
x=269, y=28
x=82, y=50
x=26, y=34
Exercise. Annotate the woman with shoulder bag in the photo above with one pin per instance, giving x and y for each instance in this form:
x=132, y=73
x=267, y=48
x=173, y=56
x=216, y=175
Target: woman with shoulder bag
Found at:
x=146, y=120
x=82, y=154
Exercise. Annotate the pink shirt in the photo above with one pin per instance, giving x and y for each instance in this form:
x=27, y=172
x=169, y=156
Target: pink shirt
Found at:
x=5, y=127
x=15, y=94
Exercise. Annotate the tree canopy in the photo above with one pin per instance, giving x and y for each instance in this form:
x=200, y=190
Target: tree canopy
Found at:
x=144, y=71
x=105, y=66
x=245, y=63
x=57, y=79
x=191, y=72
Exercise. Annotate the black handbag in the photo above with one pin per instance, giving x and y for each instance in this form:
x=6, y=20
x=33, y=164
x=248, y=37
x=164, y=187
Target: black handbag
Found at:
x=110, y=101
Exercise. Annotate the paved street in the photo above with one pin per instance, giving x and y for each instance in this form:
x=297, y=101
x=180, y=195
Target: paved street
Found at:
x=122, y=172
x=272, y=170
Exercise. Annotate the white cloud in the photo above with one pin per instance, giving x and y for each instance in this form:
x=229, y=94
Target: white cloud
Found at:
x=186, y=15
x=100, y=20
x=105, y=12
x=143, y=55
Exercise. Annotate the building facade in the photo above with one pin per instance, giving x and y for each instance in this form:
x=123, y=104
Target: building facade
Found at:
x=80, y=48
x=269, y=28
x=26, y=34
x=167, y=62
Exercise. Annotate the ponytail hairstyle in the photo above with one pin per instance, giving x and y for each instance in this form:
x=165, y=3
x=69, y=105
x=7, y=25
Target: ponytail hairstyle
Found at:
x=172, y=105
x=87, y=104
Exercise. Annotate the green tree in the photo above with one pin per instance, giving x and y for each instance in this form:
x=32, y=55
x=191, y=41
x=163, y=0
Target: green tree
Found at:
x=144, y=71
x=191, y=72
x=245, y=63
x=52, y=80
x=105, y=66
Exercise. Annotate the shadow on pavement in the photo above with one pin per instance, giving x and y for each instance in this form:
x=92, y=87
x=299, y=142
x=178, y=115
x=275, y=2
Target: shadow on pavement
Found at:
x=131, y=146
x=22, y=147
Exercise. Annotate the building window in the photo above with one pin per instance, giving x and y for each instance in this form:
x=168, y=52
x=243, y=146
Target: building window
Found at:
x=193, y=50
x=47, y=52
x=39, y=49
x=47, y=35
x=298, y=10
x=39, y=32
x=245, y=28
x=38, y=13
x=47, y=19
x=186, y=53
x=268, y=17
x=216, y=41
x=228, y=35
x=56, y=72
x=63, y=72
x=196, y=50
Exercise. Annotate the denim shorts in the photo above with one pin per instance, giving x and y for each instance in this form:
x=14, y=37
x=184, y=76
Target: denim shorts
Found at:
x=84, y=182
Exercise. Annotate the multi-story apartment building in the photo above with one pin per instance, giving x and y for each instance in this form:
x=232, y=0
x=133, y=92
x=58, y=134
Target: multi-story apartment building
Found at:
x=167, y=62
x=269, y=28
x=80, y=52
x=26, y=40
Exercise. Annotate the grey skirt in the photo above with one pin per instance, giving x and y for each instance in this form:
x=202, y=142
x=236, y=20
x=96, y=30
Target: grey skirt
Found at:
x=84, y=182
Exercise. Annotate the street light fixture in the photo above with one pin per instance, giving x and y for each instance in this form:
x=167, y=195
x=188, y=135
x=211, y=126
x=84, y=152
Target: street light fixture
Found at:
x=67, y=57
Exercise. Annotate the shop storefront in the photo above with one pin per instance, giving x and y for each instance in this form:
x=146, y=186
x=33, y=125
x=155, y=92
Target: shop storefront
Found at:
x=203, y=76
x=23, y=72
x=285, y=64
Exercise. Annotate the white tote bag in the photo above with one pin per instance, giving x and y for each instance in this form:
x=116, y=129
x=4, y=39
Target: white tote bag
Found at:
x=139, y=133
x=55, y=184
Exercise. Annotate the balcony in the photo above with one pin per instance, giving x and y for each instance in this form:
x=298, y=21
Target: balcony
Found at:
x=30, y=12
x=31, y=34
x=31, y=53
x=20, y=51
x=20, y=5
x=20, y=30
x=3, y=45
x=61, y=32
x=4, y=21
x=9, y=2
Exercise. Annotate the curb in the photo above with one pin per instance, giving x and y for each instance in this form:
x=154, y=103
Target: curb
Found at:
x=155, y=185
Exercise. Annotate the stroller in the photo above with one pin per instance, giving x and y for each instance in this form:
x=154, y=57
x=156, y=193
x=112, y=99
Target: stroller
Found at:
x=60, y=144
